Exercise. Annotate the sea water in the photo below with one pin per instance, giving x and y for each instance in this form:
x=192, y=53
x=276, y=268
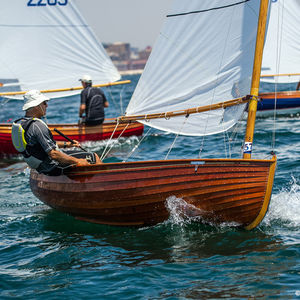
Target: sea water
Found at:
x=48, y=254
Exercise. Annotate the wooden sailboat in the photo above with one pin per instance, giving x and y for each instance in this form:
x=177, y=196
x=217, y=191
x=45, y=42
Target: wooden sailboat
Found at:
x=49, y=47
x=221, y=190
x=281, y=59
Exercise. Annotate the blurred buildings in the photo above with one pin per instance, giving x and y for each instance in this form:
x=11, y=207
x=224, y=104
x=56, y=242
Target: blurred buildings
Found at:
x=128, y=60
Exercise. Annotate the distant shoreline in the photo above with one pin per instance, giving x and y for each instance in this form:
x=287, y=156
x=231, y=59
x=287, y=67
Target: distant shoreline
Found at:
x=131, y=72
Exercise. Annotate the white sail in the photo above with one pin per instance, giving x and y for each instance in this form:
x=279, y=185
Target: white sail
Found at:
x=48, y=45
x=281, y=50
x=204, y=55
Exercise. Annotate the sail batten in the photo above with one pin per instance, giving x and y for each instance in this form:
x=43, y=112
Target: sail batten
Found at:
x=197, y=60
x=205, y=10
x=50, y=47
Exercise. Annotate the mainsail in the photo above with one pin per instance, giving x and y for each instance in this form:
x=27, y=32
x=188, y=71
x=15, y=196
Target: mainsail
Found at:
x=49, y=45
x=282, y=51
x=204, y=55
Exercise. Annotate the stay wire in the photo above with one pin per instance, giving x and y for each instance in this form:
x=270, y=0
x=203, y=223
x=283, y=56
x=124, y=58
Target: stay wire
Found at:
x=108, y=141
x=278, y=55
x=170, y=149
x=113, y=143
x=138, y=144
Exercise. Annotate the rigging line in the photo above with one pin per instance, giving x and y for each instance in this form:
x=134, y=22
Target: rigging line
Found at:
x=224, y=140
x=113, y=143
x=226, y=144
x=206, y=10
x=110, y=138
x=186, y=117
x=226, y=136
x=278, y=55
x=237, y=128
x=229, y=144
x=3, y=102
x=138, y=144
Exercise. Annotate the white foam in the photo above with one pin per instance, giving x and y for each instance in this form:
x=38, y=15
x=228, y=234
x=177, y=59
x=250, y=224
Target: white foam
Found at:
x=182, y=213
x=285, y=207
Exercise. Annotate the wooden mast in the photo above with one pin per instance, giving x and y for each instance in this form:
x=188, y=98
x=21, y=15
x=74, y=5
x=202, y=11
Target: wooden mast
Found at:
x=260, y=37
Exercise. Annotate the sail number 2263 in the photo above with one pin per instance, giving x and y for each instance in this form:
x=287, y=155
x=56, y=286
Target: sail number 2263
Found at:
x=46, y=2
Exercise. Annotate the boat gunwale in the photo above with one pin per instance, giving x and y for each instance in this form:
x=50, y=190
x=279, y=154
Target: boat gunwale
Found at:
x=159, y=164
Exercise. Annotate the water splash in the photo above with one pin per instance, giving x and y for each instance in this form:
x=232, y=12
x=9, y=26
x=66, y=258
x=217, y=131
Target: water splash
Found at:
x=178, y=210
x=285, y=206
x=183, y=213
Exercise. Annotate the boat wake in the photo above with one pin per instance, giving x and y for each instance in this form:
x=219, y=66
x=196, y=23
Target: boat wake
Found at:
x=285, y=207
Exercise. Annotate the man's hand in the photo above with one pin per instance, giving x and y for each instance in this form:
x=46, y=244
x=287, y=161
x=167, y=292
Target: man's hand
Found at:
x=75, y=144
x=82, y=162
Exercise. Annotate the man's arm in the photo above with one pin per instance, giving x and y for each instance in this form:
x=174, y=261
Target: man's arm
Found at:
x=105, y=102
x=67, y=159
x=81, y=110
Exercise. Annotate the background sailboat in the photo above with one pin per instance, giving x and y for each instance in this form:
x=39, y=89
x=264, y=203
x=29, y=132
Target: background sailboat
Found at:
x=281, y=64
x=47, y=45
x=204, y=55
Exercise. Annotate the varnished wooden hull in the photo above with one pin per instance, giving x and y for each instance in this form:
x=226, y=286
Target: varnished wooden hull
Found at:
x=287, y=102
x=135, y=193
x=80, y=133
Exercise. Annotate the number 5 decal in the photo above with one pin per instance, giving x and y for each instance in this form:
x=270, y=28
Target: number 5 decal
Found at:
x=247, y=147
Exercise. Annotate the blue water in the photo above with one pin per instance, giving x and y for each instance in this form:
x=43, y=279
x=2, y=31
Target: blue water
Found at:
x=47, y=254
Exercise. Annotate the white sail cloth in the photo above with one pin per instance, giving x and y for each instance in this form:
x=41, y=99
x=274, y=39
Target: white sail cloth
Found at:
x=204, y=55
x=281, y=50
x=48, y=45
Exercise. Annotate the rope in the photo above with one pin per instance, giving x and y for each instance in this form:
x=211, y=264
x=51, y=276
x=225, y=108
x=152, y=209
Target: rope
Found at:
x=3, y=102
x=186, y=117
x=278, y=54
x=138, y=144
x=110, y=138
x=116, y=140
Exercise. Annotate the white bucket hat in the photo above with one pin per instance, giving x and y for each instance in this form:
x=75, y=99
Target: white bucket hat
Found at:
x=33, y=98
x=86, y=78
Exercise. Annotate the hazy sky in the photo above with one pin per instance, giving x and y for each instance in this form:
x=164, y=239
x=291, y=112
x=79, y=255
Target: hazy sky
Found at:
x=135, y=21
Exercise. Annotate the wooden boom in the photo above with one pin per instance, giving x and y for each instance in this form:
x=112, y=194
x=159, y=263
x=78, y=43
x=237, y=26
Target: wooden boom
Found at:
x=278, y=75
x=188, y=111
x=66, y=89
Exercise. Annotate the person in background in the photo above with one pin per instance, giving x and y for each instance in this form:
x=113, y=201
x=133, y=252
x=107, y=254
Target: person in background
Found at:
x=92, y=104
x=32, y=137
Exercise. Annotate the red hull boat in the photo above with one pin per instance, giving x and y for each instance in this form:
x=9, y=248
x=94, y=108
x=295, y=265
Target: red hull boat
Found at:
x=80, y=133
